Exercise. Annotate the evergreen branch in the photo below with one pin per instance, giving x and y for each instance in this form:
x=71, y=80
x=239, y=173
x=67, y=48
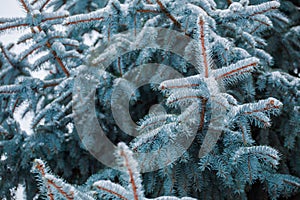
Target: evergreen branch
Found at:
x=29, y=51
x=203, y=47
x=3, y=131
x=262, y=151
x=187, y=94
x=244, y=130
x=6, y=56
x=78, y=21
x=52, y=83
x=54, y=105
x=112, y=188
x=262, y=22
x=249, y=169
x=12, y=26
x=130, y=164
x=130, y=172
x=188, y=82
x=151, y=135
x=10, y=89
x=263, y=8
x=25, y=6
x=24, y=38
x=173, y=198
x=5, y=71
x=54, y=18
x=40, y=166
x=242, y=66
x=168, y=14
x=153, y=121
x=59, y=61
x=68, y=191
x=203, y=111
x=266, y=106
x=44, y=5
x=147, y=11
x=15, y=105
x=41, y=60
x=51, y=180
x=34, y=2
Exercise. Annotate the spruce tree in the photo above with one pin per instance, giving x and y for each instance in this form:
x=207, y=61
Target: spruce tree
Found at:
x=198, y=99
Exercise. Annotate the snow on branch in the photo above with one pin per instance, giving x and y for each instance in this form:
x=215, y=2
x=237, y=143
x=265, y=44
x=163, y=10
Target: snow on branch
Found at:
x=204, y=46
x=56, y=188
x=168, y=14
x=258, y=113
x=267, y=154
x=112, y=189
x=127, y=161
x=236, y=71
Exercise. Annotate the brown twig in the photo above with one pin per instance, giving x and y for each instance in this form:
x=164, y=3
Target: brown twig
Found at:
x=112, y=192
x=204, y=55
x=130, y=172
x=168, y=14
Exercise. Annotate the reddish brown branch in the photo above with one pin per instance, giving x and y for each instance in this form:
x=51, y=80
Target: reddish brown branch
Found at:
x=68, y=196
x=132, y=181
x=202, y=39
x=153, y=123
x=34, y=2
x=85, y=20
x=181, y=86
x=43, y=173
x=59, y=61
x=262, y=22
x=13, y=26
x=36, y=48
x=148, y=11
x=255, y=29
x=50, y=85
x=187, y=97
x=6, y=56
x=61, y=64
x=22, y=41
x=54, y=18
x=112, y=192
x=25, y=6
x=44, y=5
x=168, y=14
x=269, y=106
x=15, y=105
x=236, y=70
x=263, y=11
x=41, y=169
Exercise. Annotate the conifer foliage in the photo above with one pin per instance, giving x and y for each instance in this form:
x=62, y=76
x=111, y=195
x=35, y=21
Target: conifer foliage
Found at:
x=239, y=100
